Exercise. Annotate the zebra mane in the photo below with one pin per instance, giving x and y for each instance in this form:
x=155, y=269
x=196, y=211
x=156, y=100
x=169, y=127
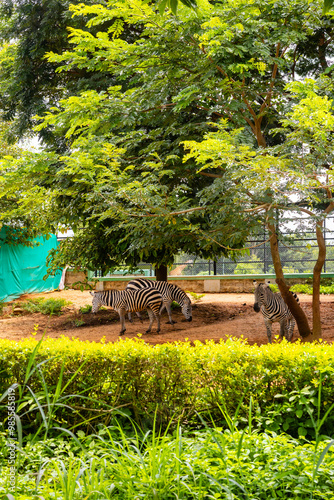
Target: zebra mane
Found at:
x=267, y=290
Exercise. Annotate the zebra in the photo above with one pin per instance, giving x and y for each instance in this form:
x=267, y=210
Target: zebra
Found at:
x=274, y=309
x=130, y=300
x=169, y=293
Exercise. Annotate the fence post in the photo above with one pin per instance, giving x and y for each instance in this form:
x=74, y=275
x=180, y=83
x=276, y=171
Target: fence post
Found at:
x=325, y=238
x=265, y=267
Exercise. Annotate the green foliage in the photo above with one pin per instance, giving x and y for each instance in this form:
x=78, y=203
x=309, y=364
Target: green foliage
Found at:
x=31, y=85
x=44, y=306
x=196, y=296
x=328, y=4
x=192, y=466
x=239, y=389
x=253, y=267
x=288, y=385
x=85, y=309
x=122, y=173
x=326, y=290
x=78, y=322
x=307, y=289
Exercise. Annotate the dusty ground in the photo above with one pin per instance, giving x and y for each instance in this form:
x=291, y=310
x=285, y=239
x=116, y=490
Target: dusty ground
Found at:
x=215, y=316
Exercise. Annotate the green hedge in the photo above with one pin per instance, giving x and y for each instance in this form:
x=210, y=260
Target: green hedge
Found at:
x=284, y=387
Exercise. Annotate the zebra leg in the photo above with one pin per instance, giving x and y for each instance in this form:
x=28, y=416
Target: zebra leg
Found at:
x=122, y=313
x=166, y=306
x=269, y=327
x=130, y=317
x=139, y=316
x=151, y=316
x=169, y=311
x=283, y=330
x=157, y=317
x=290, y=327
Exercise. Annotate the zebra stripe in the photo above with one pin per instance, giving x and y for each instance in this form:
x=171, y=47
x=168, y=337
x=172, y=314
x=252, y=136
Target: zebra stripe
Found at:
x=169, y=294
x=274, y=309
x=130, y=301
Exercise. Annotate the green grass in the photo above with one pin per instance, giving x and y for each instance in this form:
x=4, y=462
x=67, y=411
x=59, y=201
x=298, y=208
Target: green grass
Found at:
x=86, y=309
x=204, y=464
x=44, y=306
x=78, y=322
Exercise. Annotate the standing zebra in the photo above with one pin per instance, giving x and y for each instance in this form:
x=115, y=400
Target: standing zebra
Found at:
x=130, y=301
x=274, y=309
x=169, y=293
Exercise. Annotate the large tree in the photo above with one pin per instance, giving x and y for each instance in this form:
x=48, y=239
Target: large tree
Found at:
x=149, y=138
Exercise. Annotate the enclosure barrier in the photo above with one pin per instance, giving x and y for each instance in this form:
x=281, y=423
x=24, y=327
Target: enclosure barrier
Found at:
x=197, y=284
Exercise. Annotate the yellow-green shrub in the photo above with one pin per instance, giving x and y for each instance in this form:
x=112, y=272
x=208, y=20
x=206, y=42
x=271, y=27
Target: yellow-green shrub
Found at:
x=279, y=382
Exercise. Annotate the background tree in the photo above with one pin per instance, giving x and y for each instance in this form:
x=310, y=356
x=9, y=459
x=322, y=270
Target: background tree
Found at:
x=30, y=84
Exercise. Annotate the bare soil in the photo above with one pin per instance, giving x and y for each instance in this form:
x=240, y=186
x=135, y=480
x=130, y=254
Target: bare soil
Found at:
x=215, y=316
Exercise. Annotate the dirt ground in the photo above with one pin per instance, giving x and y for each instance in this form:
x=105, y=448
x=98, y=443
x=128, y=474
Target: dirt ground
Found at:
x=215, y=316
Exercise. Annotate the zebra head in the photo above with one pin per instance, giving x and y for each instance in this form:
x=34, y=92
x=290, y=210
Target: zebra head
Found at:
x=187, y=310
x=97, y=301
x=260, y=294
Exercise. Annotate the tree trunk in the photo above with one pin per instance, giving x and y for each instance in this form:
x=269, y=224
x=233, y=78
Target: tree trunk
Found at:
x=161, y=273
x=293, y=305
x=316, y=281
x=317, y=274
x=258, y=133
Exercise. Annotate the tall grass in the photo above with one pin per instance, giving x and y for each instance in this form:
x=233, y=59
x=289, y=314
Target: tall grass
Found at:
x=202, y=464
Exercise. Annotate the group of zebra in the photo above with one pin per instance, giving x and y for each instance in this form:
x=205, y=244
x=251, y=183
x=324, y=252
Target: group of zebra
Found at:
x=141, y=294
x=155, y=296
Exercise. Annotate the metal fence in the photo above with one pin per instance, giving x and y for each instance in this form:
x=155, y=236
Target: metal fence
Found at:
x=298, y=255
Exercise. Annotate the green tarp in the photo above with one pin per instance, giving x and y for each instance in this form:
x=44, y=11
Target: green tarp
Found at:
x=22, y=268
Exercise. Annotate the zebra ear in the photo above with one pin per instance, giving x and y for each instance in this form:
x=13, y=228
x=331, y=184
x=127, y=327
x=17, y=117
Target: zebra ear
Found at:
x=267, y=282
x=254, y=282
x=92, y=293
x=267, y=291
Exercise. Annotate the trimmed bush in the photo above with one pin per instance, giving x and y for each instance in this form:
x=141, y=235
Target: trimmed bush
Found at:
x=287, y=387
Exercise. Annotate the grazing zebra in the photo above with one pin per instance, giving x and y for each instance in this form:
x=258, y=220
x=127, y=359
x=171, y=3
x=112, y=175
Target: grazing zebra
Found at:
x=130, y=301
x=274, y=309
x=169, y=293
